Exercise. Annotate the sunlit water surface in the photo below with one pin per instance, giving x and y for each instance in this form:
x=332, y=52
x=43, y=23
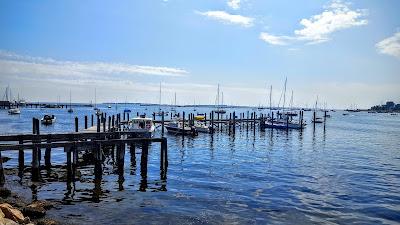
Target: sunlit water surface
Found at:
x=346, y=173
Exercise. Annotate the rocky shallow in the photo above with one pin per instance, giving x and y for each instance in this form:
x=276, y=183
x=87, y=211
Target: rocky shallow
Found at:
x=15, y=210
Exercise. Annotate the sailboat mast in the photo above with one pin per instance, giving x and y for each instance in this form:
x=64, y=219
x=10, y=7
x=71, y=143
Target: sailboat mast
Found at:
x=95, y=98
x=222, y=98
x=270, y=98
x=218, y=97
x=159, y=100
x=175, y=100
x=284, y=96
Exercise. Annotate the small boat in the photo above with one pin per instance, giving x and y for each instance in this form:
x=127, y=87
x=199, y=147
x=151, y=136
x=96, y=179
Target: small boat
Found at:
x=140, y=127
x=345, y=114
x=14, y=111
x=317, y=120
x=199, y=117
x=393, y=114
x=98, y=112
x=109, y=106
x=48, y=119
x=177, y=127
x=281, y=124
x=70, y=110
x=202, y=127
x=127, y=111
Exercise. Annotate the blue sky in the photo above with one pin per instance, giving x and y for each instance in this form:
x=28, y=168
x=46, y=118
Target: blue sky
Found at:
x=344, y=52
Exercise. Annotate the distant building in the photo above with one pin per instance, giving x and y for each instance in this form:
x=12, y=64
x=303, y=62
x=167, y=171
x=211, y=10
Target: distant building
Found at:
x=389, y=106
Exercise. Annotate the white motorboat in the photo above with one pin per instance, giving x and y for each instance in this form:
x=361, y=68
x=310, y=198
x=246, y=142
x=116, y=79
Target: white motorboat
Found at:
x=48, y=119
x=14, y=111
x=202, y=127
x=140, y=127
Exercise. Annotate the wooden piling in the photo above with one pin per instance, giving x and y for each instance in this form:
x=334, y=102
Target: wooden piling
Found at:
x=183, y=123
x=76, y=124
x=86, y=122
x=47, y=156
x=35, y=155
x=98, y=124
x=21, y=160
x=92, y=124
x=162, y=123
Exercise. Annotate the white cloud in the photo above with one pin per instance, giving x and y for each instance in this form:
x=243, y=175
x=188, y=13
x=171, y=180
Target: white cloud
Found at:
x=11, y=63
x=390, y=45
x=275, y=40
x=337, y=16
x=234, y=4
x=229, y=18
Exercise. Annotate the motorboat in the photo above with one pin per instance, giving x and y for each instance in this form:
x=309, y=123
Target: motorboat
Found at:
x=202, y=127
x=14, y=111
x=177, y=127
x=317, y=120
x=282, y=124
x=70, y=110
x=140, y=127
x=48, y=119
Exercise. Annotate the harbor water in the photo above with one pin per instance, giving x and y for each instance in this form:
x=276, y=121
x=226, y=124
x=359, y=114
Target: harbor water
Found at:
x=348, y=172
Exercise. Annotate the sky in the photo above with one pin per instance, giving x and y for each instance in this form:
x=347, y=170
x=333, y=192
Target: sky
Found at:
x=342, y=53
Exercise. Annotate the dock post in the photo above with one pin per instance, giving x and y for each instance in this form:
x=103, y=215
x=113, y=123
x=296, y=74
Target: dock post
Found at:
x=69, y=164
x=124, y=116
x=154, y=116
x=287, y=123
x=205, y=118
x=109, y=123
x=183, y=123
x=143, y=166
x=104, y=124
x=212, y=121
x=127, y=114
x=113, y=121
x=301, y=120
x=21, y=160
x=162, y=123
x=92, y=124
x=234, y=123
x=76, y=124
x=229, y=123
x=2, y=177
x=164, y=158
x=98, y=124
x=75, y=158
x=86, y=122
x=132, y=152
x=314, y=119
x=47, y=156
x=247, y=122
x=98, y=169
x=272, y=120
x=121, y=158
x=35, y=154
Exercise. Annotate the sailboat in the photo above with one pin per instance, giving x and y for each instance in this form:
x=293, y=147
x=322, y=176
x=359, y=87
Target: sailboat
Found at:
x=218, y=106
x=98, y=112
x=126, y=110
x=283, y=120
x=7, y=97
x=70, y=110
x=291, y=112
x=159, y=113
x=316, y=119
x=173, y=108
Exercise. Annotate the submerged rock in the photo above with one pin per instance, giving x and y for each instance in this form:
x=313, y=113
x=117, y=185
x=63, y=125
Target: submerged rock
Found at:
x=47, y=222
x=35, y=210
x=12, y=213
x=4, y=192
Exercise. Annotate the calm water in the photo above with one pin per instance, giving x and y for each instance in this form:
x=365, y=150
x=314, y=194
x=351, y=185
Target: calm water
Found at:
x=347, y=173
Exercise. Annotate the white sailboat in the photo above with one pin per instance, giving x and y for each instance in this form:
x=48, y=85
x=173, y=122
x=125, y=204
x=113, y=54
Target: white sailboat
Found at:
x=218, y=106
x=70, y=110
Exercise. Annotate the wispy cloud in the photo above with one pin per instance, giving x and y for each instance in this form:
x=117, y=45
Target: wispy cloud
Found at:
x=336, y=16
x=225, y=17
x=234, y=4
x=275, y=40
x=12, y=63
x=390, y=46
